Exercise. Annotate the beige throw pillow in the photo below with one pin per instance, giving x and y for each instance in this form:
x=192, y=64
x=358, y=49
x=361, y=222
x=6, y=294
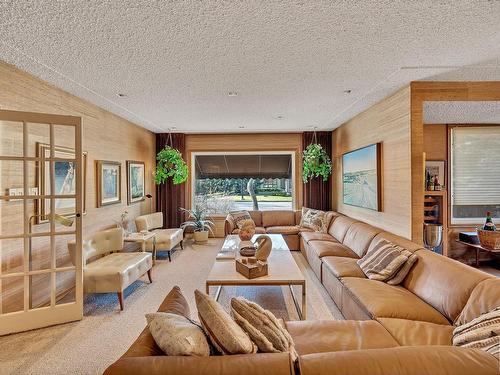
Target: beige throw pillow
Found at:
x=177, y=335
x=384, y=261
x=240, y=217
x=482, y=332
x=316, y=220
x=225, y=334
x=262, y=326
x=403, y=271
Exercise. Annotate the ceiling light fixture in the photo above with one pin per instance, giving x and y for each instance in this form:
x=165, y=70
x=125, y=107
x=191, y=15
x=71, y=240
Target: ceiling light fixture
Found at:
x=280, y=117
x=232, y=93
x=347, y=91
x=120, y=95
x=241, y=127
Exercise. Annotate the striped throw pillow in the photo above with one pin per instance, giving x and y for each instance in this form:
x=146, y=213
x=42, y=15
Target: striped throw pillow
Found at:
x=384, y=261
x=482, y=332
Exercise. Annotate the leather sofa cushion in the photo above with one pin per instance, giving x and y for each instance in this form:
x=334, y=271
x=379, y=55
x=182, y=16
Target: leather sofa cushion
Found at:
x=402, y=360
x=149, y=222
x=278, y=218
x=396, y=240
x=145, y=344
x=343, y=267
x=359, y=236
x=318, y=336
x=328, y=248
x=242, y=364
x=389, y=301
x=412, y=332
x=316, y=236
x=339, y=226
x=256, y=217
x=484, y=298
x=258, y=230
x=291, y=229
x=442, y=282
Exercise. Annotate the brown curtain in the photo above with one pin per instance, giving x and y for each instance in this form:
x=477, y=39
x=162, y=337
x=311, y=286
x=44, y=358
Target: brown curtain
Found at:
x=170, y=197
x=318, y=193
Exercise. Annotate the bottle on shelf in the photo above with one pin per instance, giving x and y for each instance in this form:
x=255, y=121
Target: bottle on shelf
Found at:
x=437, y=185
x=489, y=225
x=427, y=180
x=431, y=184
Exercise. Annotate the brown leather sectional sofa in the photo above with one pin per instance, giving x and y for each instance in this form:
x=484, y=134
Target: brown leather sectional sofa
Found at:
x=404, y=329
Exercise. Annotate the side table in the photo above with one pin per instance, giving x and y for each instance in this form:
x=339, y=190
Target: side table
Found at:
x=142, y=238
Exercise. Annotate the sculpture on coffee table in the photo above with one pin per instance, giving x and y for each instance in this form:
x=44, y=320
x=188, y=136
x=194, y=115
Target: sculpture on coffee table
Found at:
x=247, y=230
x=256, y=265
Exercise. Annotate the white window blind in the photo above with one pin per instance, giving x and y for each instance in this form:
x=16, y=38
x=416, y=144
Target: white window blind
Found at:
x=475, y=172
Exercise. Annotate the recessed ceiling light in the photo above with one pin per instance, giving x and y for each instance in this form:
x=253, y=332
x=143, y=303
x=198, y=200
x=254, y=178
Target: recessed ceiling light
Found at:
x=241, y=127
x=347, y=91
x=232, y=93
x=120, y=95
x=280, y=117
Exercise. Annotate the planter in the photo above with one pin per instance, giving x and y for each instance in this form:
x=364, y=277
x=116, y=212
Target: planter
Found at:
x=201, y=236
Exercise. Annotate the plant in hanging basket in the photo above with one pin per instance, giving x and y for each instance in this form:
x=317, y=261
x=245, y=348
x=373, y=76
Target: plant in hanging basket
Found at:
x=315, y=163
x=170, y=164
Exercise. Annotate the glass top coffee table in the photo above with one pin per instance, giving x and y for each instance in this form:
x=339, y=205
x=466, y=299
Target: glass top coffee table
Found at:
x=282, y=270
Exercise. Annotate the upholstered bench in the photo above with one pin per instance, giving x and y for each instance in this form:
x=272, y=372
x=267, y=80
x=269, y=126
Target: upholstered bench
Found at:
x=114, y=270
x=166, y=239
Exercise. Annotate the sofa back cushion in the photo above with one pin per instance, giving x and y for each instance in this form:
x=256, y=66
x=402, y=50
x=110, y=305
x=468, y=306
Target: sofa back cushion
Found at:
x=359, y=236
x=339, y=226
x=256, y=217
x=149, y=222
x=442, y=282
x=485, y=297
x=278, y=218
x=298, y=217
x=396, y=240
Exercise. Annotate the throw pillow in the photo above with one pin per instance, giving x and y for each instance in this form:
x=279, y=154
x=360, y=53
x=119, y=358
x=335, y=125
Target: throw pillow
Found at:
x=225, y=334
x=177, y=335
x=384, y=261
x=262, y=326
x=403, y=271
x=482, y=332
x=316, y=220
x=239, y=217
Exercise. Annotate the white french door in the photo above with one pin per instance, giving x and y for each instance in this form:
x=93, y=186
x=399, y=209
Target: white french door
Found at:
x=40, y=212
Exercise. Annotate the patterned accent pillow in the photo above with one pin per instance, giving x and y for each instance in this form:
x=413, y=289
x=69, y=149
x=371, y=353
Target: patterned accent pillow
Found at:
x=403, y=271
x=482, y=332
x=224, y=333
x=384, y=261
x=177, y=335
x=239, y=217
x=316, y=220
x=263, y=327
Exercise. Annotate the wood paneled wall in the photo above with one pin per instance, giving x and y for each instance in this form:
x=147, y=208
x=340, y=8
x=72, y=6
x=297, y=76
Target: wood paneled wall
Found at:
x=105, y=136
x=247, y=142
x=387, y=122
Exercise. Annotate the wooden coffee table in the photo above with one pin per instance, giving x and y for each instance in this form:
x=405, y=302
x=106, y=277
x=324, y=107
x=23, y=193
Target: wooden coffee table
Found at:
x=282, y=271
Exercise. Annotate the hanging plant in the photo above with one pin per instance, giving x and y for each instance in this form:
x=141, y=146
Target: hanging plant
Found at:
x=315, y=163
x=170, y=164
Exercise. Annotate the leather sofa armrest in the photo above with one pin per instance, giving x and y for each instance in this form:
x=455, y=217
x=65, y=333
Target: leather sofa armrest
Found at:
x=249, y=364
x=229, y=225
x=403, y=360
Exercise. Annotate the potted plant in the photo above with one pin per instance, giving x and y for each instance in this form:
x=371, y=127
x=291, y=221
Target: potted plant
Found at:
x=199, y=221
x=315, y=163
x=170, y=164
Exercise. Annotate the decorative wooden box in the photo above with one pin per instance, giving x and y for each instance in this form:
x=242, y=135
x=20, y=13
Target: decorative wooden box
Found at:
x=251, y=270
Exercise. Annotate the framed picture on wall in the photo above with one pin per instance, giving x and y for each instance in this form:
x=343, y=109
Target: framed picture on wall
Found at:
x=135, y=181
x=108, y=182
x=361, y=178
x=436, y=169
x=65, y=184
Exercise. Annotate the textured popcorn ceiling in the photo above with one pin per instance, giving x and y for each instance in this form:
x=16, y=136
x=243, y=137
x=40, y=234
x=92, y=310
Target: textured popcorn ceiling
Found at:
x=462, y=112
x=177, y=60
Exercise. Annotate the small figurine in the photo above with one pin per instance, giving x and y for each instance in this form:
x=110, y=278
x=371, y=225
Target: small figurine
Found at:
x=264, y=247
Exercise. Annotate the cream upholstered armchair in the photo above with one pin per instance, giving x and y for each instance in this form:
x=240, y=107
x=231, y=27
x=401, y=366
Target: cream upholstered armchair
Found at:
x=165, y=239
x=114, y=270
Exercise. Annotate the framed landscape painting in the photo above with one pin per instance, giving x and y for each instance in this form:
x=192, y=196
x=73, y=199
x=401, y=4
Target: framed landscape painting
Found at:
x=135, y=181
x=108, y=182
x=361, y=177
x=64, y=179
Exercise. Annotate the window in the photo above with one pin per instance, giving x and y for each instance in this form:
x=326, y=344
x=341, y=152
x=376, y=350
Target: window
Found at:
x=241, y=180
x=475, y=173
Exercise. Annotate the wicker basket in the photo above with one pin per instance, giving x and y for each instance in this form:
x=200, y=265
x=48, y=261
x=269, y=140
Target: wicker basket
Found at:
x=489, y=239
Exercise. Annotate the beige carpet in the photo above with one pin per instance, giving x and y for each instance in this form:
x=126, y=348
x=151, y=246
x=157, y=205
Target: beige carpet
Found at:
x=92, y=344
